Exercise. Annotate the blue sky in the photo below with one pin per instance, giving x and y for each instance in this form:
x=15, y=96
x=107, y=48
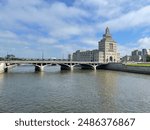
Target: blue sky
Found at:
x=59, y=27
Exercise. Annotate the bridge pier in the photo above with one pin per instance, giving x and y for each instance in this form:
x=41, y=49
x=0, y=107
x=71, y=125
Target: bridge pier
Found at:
x=66, y=67
x=86, y=67
x=94, y=67
x=89, y=66
x=39, y=67
x=6, y=70
x=71, y=67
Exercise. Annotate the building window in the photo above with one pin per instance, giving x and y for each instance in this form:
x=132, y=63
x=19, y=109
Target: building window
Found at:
x=111, y=46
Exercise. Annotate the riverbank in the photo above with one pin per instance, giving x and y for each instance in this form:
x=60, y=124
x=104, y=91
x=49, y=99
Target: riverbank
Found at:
x=139, y=64
x=134, y=68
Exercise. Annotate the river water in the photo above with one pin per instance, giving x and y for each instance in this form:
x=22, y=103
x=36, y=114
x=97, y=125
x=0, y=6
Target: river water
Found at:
x=23, y=90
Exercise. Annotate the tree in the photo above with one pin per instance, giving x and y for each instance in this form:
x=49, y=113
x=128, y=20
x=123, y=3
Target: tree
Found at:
x=148, y=58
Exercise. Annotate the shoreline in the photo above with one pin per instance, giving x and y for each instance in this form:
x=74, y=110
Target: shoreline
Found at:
x=126, y=68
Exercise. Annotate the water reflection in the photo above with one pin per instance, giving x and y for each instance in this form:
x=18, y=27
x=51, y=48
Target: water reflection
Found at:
x=1, y=81
x=23, y=90
x=1, y=76
x=41, y=74
x=107, y=90
x=22, y=69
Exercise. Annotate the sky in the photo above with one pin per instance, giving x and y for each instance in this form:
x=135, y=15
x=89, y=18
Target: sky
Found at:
x=56, y=28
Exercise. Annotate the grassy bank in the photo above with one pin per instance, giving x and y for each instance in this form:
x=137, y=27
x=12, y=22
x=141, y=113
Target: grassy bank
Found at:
x=139, y=64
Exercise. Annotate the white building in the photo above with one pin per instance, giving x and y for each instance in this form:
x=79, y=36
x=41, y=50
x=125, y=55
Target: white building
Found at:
x=140, y=56
x=136, y=56
x=126, y=58
x=94, y=55
x=106, y=52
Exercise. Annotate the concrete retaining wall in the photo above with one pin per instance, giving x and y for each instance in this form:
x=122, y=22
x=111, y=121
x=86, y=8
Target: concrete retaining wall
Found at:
x=125, y=68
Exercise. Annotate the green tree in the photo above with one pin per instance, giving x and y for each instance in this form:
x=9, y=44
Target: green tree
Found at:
x=148, y=58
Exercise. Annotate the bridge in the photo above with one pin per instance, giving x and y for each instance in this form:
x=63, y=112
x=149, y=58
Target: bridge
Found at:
x=40, y=64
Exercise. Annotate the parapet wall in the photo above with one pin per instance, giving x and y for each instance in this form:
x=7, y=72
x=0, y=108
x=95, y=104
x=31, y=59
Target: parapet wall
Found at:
x=125, y=68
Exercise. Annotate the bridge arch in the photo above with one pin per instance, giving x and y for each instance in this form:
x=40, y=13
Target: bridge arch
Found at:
x=40, y=66
x=89, y=66
x=66, y=66
x=9, y=66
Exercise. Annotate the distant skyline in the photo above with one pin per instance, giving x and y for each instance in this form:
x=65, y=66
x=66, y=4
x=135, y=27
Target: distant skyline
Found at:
x=56, y=28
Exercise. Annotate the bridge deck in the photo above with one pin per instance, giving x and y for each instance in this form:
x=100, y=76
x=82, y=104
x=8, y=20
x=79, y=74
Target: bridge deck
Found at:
x=48, y=62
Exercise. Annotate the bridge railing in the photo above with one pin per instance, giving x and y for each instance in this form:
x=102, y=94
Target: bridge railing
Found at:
x=46, y=61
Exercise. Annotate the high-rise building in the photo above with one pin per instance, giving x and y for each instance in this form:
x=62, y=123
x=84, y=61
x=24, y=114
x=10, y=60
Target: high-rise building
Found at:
x=106, y=52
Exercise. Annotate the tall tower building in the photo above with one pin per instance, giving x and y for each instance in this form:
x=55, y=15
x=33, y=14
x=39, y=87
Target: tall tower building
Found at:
x=106, y=52
x=109, y=47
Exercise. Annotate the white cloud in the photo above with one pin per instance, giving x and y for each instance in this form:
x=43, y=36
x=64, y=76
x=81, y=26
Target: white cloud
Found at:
x=132, y=19
x=9, y=38
x=124, y=50
x=90, y=41
x=144, y=43
x=7, y=34
x=37, y=22
x=43, y=40
x=57, y=18
x=66, y=31
x=102, y=8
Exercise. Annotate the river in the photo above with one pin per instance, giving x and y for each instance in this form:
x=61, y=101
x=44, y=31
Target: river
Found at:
x=55, y=91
